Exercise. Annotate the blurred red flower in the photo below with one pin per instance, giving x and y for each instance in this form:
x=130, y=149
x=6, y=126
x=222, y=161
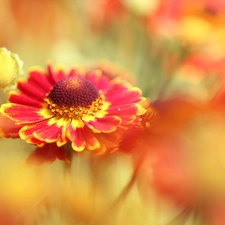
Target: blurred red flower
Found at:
x=184, y=157
x=102, y=13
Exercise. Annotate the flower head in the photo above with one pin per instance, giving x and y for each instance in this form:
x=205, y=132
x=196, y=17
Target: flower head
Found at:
x=85, y=108
x=184, y=156
x=11, y=67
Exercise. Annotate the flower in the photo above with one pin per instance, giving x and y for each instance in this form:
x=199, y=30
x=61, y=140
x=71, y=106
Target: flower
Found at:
x=164, y=154
x=184, y=160
x=104, y=12
x=85, y=108
x=191, y=23
x=11, y=67
x=141, y=7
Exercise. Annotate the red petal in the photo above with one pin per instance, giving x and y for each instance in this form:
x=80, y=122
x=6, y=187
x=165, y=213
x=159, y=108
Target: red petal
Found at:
x=91, y=142
x=49, y=134
x=99, y=81
x=36, y=142
x=125, y=112
x=109, y=142
x=106, y=124
x=40, y=80
x=42, y=131
x=120, y=94
x=31, y=90
x=24, y=100
x=82, y=138
x=8, y=128
x=21, y=113
x=49, y=153
x=55, y=76
x=77, y=138
x=27, y=132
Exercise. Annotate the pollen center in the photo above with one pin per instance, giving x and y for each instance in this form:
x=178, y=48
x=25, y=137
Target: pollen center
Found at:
x=73, y=96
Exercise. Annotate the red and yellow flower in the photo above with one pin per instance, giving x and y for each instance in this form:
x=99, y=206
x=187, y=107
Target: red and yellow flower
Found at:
x=85, y=108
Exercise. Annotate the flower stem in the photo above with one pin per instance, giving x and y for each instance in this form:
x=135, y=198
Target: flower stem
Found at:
x=67, y=182
x=180, y=218
x=123, y=194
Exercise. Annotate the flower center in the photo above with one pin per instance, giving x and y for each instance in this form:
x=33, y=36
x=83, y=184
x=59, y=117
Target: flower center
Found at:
x=73, y=96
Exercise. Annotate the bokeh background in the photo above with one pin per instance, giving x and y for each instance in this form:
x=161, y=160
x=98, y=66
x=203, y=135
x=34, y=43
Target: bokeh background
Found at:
x=168, y=48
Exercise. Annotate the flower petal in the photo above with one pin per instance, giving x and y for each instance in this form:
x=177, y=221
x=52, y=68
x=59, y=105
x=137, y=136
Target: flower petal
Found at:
x=8, y=128
x=107, y=124
x=48, y=154
x=21, y=113
x=47, y=131
x=55, y=131
x=81, y=137
x=123, y=93
x=109, y=143
x=27, y=132
x=91, y=142
x=31, y=90
x=125, y=112
x=22, y=99
x=55, y=76
x=40, y=80
x=99, y=81
x=76, y=136
x=36, y=142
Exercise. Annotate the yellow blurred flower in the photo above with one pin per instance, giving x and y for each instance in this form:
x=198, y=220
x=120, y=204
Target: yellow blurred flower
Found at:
x=10, y=67
x=141, y=7
x=198, y=31
x=194, y=29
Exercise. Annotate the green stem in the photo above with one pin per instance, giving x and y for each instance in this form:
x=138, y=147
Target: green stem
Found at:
x=180, y=218
x=122, y=195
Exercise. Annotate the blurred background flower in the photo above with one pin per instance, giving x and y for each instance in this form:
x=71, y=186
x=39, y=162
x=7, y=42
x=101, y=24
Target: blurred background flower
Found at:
x=173, y=50
x=11, y=67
